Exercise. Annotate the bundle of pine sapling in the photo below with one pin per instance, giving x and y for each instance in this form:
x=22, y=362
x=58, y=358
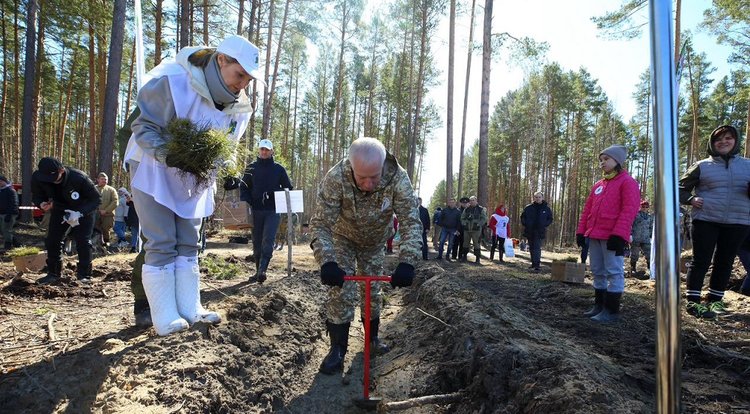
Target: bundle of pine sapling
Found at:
x=198, y=150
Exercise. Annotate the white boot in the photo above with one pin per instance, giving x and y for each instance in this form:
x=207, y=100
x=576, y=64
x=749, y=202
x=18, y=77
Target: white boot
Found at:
x=159, y=284
x=189, y=305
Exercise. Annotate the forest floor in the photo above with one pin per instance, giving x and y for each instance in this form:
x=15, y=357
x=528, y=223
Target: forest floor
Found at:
x=494, y=337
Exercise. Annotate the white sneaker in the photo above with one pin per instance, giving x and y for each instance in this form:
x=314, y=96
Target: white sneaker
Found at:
x=159, y=284
x=187, y=276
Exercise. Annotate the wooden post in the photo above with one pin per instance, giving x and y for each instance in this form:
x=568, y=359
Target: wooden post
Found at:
x=289, y=230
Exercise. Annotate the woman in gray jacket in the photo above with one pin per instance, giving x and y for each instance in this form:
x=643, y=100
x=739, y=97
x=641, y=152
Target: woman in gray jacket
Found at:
x=718, y=189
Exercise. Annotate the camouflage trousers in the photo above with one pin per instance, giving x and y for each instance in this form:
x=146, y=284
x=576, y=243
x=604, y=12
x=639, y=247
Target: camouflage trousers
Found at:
x=355, y=260
x=472, y=237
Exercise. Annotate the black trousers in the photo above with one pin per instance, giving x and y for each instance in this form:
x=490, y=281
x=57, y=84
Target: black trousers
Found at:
x=458, y=242
x=499, y=243
x=424, y=245
x=82, y=235
x=720, y=241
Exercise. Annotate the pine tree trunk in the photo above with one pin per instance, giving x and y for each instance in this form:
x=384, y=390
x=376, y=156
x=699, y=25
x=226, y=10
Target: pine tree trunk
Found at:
x=66, y=108
x=267, y=109
x=485, y=104
x=449, y=104
x=92, y=104
x=159, y=12
x=414, y=136
x=112, y=88
x=205, y=22
x=240, y=17
x=184, y=23
x=28, y=96
x=5, y=147
x=466, y=101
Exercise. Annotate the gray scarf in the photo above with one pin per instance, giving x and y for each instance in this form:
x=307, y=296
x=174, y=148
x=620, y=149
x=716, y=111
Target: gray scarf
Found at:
x=216, y=86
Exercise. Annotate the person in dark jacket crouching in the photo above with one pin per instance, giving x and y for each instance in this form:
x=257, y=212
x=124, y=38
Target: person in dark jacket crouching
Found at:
x=718, y=189
x=8, y=210
x=261, y=179
x=72, y=198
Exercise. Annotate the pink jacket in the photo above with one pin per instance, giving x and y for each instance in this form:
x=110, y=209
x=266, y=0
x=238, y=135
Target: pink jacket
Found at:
x=610, y=208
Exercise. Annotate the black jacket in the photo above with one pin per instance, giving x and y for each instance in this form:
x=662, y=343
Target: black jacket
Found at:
x=261, y=179
x=76, y=192
x=424, y=217
x=450, y=218
x=8, y=200
x=132, y=218
x=535, y=219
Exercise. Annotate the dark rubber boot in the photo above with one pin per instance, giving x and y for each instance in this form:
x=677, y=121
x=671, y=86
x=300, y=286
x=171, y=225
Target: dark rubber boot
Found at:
x=611, y=311
x=84, y=273
x=376, y=346
x=54, y=270
x=8, y=245
x=478, y=256
x=598, y=303
x=334, y=361
x=255, y=277
x=142, y=313
x=492, y=253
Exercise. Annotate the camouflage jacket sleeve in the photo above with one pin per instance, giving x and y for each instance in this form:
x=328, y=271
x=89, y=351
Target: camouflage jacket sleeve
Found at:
x=406, y=208
x=326, y=213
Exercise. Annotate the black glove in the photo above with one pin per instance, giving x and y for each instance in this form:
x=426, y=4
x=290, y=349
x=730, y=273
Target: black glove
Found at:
x=617, y=244
x=331, y=274
x=7, y=218
x=403, y=276
x=580, y=240
x=230, y=183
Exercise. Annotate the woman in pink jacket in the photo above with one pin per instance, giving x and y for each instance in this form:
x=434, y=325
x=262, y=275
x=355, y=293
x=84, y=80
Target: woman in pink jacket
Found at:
x=606, y=221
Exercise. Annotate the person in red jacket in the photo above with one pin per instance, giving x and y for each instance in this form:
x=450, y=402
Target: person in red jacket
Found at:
x=500, y=226
x=606, y=221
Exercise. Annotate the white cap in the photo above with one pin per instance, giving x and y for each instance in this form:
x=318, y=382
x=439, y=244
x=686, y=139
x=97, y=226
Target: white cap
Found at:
x=265, y=143
x=245, y=52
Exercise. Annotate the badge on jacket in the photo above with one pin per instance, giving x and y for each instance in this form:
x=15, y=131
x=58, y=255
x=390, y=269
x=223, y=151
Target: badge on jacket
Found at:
x=599, y=190
x=386, y=204
x=74, y=195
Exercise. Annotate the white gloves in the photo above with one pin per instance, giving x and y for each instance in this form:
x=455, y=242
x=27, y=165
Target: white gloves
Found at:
x=71, y=217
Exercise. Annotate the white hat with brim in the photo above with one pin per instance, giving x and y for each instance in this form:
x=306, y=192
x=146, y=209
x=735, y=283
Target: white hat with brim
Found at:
x=265, y=143
x=246, y=54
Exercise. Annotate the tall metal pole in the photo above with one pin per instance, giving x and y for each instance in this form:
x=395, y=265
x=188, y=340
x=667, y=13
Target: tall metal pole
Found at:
x=664, y=92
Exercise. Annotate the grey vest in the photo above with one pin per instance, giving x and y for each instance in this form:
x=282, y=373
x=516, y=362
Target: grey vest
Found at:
x=723, y=186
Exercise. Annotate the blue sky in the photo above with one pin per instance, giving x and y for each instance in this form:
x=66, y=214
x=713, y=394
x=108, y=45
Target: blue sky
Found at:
x=573, y=39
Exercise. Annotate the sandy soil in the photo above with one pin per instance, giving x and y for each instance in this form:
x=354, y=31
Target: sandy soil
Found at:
x=493, y=337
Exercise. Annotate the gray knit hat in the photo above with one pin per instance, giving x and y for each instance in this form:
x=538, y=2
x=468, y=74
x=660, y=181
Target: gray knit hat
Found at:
x=617, y=152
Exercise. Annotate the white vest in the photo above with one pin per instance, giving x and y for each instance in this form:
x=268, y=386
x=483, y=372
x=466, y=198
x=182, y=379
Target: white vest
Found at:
x=180, y=193
x=501, y=228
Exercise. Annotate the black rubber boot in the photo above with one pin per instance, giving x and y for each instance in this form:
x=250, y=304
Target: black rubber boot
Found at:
x=478, y=256
x=598, y=303
x=8, y=245
x=492, y=253
x=334, y=361
x=611, y=311
x=376, y=346
x=84, y=273
x=255, y=277
x=54, y=270
x=142, y=313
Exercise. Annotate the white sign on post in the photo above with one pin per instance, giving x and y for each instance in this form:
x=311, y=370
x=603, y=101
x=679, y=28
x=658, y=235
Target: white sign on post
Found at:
x=295, y=200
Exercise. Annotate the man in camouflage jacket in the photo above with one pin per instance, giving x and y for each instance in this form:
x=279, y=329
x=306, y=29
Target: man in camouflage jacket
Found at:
x=352, y=221
x=473, y=220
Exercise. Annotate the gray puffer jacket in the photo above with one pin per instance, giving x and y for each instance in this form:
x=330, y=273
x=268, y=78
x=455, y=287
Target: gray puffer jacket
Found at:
x=724, y=184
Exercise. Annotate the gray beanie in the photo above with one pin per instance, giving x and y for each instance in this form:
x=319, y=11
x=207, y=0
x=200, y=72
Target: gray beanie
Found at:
x=617, y=152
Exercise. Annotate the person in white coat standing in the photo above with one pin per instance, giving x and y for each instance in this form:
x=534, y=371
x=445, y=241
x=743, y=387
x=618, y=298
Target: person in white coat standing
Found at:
x=204, y=85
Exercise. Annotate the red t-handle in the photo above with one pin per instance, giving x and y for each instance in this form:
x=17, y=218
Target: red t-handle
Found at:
x=368, y=280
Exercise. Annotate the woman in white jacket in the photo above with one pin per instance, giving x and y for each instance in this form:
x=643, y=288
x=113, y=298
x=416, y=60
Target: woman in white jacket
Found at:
x=205, y=85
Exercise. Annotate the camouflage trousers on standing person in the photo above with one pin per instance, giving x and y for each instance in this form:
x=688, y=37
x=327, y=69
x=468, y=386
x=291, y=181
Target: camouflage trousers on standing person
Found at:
x=472, y=237
x=355, y=260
